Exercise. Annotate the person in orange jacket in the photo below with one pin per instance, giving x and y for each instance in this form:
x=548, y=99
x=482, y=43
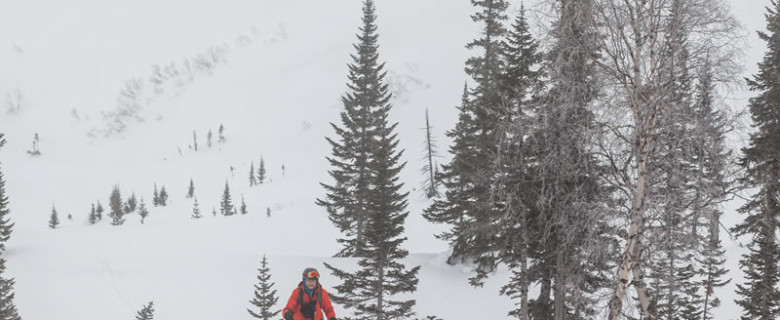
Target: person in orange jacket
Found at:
x=309, y=299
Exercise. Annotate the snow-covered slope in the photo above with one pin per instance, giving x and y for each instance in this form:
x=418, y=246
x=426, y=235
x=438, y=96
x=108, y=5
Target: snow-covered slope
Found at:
x=275, y=93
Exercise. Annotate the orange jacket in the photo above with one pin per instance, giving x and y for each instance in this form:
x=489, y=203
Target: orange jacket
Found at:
x=293, y=304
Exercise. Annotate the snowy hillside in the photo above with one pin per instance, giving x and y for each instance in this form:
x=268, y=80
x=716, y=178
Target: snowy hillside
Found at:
x=275, y=87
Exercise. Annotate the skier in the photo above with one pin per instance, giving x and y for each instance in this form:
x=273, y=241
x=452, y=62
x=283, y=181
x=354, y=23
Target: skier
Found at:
x=309, y=299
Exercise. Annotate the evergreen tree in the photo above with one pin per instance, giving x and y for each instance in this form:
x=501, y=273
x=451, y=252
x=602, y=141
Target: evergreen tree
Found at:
x=6, y=227
x=370, y=290
x=99, y=210
x=155, y=196
x=265, y=296
x=208, y=138
x=7, y=307
x=191, y=190
x=243, y=205
x=132, y=202
x=226, y=205
x=115, y=204
x=92, y=217
x=54, y=221
x=142, y=211
x=713, y=161
x=221, y=133
x=147, y=313
x=467, y=198
x=252, y=180
x=196, y=210
x=365, y=104
x=382, y=276
x=430, y=185
x=759, y=295
x=163, y=197
x=214, y=211
x=261, y=171
x=194, y=140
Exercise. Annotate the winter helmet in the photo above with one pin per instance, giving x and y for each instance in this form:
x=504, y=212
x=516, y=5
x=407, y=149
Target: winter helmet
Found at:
x=311, y=273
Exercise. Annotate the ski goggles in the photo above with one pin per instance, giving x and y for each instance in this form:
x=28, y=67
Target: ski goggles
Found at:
x=312, y=274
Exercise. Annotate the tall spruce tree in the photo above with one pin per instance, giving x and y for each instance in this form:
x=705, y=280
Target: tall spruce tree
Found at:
x=115, y=204
x=226, y=205
x=7, y=307
x=468, y=195
x=367, y=99
x=264, y=295
x=6, y=227
x=759, y=295
x=370, y=290
x=373, y=290
x=146, y=313
x=713, y=159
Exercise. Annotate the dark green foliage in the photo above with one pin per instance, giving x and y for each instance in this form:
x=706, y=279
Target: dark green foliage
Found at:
x=265, y=298
x=115, y=204
x=759, y=295
x=6, y=227
x=7, y=308
x=467, y=203
x=226, y=205
x=366, y=102
x=147, y=313
x=54, y=221
x=366, y=202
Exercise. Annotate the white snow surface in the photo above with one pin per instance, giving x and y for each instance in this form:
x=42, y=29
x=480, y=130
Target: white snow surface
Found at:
x=275, y=97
